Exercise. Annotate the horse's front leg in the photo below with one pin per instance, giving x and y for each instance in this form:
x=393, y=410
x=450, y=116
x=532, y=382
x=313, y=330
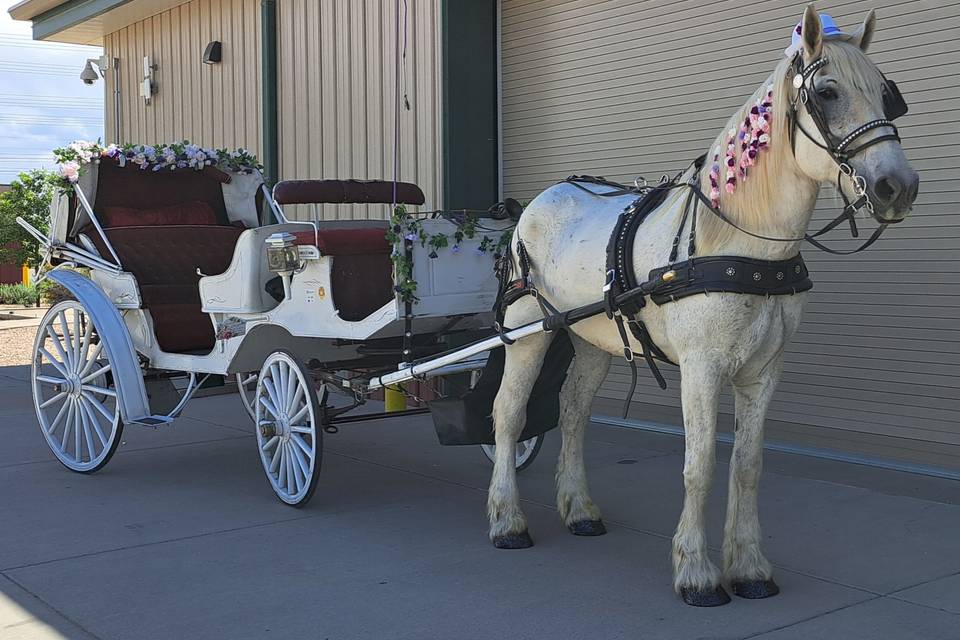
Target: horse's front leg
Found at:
x=748, y=571
x=695, y=577
x=523, y=359
x=586, y=374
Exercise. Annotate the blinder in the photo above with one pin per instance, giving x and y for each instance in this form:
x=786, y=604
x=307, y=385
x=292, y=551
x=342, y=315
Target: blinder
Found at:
x=894, y=105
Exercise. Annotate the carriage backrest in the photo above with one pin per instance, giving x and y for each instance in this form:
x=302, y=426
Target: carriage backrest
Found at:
x=128, y=187
x=347, y=192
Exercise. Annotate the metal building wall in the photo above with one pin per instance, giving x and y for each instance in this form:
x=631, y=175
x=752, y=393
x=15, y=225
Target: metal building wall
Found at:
x=336, y=65
x=215, y=105
x=622, y=88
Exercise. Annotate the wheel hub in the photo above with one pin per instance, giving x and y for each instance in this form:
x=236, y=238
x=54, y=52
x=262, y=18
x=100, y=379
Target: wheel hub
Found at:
x=73, y=385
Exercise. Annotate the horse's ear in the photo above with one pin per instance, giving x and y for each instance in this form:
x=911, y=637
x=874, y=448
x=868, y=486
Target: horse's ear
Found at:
x=864, y=35
x=811, y=33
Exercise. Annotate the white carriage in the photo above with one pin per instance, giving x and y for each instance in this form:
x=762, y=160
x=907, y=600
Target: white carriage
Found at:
x=194, y=273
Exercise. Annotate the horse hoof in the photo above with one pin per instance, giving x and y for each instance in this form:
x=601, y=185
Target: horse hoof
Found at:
x=704, y=597
x=520, y=540
x=587, y=528
x=755, y=589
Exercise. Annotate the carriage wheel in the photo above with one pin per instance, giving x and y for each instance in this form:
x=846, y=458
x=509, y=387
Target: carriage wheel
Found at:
x=73, y=390
x=527, y=451
x=247, y=388
x=289, y=430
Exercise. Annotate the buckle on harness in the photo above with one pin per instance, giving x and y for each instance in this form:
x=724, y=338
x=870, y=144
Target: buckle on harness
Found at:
x=611, y=276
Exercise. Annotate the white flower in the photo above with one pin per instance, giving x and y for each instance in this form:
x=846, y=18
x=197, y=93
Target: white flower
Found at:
x=70, y=170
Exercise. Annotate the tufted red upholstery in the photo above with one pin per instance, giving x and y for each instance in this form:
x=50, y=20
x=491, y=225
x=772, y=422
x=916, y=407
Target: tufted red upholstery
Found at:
x=347, y=242
x=193, y=212
x=132, y=188
x=347, y=192
x=164, y=260
x=362, y=271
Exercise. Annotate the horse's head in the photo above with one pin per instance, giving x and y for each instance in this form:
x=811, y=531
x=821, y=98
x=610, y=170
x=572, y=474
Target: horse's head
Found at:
x=843, y=106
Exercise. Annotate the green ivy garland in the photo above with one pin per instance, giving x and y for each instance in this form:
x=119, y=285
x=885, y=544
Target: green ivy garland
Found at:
x=409, y=228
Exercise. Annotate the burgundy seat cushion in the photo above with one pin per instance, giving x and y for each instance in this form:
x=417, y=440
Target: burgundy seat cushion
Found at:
x=165, y=260
x=362, y=272
x=193, y=212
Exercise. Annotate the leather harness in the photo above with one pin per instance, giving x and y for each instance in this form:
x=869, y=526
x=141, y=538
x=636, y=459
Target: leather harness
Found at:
x=624, y=296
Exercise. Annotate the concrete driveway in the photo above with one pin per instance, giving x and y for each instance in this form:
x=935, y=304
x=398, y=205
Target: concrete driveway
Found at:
x=181, y=537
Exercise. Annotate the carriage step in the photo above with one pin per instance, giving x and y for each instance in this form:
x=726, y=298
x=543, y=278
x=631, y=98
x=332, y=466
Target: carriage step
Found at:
x=152, y=421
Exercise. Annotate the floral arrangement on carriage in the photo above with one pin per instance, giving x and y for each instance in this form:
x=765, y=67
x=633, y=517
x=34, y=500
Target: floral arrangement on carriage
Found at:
x=75, y=158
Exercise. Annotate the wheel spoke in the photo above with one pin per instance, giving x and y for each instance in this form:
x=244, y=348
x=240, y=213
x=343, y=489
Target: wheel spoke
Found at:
x=297, y=398
x=56, y=365
x=294, y=391
x=67, y=426
x=87, y=336
x=67, y=340
x=282, y=473
x=99, y=406
x=92, y=360
x=252, y=378
x=276, y=460
x=59, y=348
x=99, y=372
x=281, y=384
x=300, y=469
x=87, y=429
x=77, y=425
x=53, y=399
x=98, y=389
x=298, y=416
x=272, y=392
x=299, y=428
x=291, y=481
x=269, y=443
x=51, y=380
x=59, y=416
x=301, y=450
x=269, y=406
x=75, y=339
x=86, y=403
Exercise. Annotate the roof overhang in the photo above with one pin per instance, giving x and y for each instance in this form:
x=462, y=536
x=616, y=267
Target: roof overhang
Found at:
x=85, y=21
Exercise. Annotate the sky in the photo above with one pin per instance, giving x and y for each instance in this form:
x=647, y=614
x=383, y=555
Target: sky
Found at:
x=43, y=102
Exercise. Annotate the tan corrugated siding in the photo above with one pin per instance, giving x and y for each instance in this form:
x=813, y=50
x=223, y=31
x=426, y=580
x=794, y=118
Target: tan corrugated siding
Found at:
x=622, y=88
x=213, y=105
x=336, y=87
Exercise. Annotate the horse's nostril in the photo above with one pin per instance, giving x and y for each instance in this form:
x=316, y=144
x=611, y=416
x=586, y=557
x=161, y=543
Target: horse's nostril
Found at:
x=887, y=189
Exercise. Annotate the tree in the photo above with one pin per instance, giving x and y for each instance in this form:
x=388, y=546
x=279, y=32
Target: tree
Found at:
x=29, y=197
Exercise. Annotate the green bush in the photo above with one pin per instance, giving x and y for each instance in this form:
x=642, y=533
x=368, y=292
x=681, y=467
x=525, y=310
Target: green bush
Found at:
x=23, y=294
x=29, y=197
x=51, y=293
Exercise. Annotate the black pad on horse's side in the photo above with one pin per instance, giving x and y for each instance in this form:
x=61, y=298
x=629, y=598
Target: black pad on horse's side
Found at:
x=467, y=419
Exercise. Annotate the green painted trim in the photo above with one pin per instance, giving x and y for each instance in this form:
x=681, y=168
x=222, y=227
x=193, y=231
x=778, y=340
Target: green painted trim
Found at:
x=70, y=14
x=469, y=101
x=270, y=153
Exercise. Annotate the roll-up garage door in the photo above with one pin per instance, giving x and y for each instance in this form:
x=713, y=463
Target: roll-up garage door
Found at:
x=622, y=88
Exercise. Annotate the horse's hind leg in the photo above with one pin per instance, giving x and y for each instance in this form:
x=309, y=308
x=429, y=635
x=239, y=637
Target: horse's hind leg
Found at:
x=745, y=567
x=586, y=374
x=508, y=525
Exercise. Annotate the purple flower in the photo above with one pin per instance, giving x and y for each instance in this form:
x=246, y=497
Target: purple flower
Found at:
x=411, y=236
x=455, y=248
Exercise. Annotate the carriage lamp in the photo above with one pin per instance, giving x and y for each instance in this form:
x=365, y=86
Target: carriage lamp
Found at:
x=282, y=254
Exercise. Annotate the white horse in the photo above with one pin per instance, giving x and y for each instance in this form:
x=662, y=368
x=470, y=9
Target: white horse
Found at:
x=716, y=339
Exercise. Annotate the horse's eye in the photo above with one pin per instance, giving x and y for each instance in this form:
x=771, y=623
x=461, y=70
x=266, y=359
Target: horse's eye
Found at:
x=827, y=93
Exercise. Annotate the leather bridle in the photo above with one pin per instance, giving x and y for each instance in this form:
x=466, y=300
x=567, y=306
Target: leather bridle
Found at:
x=840, y=148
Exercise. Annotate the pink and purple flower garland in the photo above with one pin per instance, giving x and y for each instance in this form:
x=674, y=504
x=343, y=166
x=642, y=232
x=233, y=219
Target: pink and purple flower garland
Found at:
x=752, y=137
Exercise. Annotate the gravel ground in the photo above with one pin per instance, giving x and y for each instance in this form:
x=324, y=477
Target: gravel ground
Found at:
x=16, y=345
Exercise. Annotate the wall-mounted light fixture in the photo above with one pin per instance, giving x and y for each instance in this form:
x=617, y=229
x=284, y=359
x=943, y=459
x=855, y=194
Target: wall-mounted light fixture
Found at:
x=213, y=53
x=147, y=86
